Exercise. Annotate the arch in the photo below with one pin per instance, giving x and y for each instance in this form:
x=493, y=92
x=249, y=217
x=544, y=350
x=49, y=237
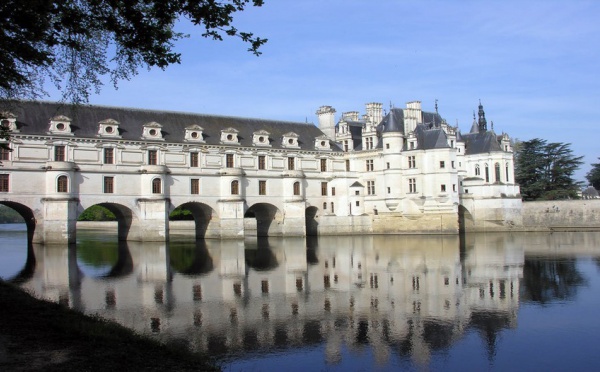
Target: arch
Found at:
x=27, y=214
x=296, y=188
x=262, y=257
x=235, y=187
x=265, y=214
x=202, y=214
x=312, y=225
x=477, y=170
x=190, y=258
x=62, y=184
x=465, y=219
x=124, y=217
x=115, y=255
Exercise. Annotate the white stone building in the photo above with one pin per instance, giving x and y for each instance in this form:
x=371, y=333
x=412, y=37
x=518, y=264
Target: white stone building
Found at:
x=405, y=171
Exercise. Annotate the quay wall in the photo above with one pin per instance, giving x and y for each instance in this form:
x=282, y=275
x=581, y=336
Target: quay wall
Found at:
x=566, y=215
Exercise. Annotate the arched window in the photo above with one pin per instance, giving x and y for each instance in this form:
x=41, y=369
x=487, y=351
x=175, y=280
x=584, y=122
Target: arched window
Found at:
x=477, y=170
x=497, y=171
x=296, y=188
x=507, y=173
x=487, y=173
x=235, y=188
x=62, y=184
x=156, y=186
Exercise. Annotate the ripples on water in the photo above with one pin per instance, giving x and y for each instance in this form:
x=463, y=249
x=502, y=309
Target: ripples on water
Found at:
x=495, y=301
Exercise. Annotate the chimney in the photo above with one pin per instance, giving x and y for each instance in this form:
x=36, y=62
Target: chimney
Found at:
x=327, y=121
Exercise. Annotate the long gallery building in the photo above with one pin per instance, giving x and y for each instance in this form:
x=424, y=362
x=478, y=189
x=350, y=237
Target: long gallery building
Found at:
x=402, y=171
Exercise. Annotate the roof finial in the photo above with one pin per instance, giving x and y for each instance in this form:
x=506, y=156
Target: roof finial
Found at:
x=436, y=106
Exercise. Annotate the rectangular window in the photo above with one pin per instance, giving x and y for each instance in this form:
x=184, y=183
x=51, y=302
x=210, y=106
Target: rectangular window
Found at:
x=387, y=146
x=262, y=187
x=389, y=190
x=296, y=188
x=369, y=165
x=59, y=153
x=443, y=188
x=109, y=156
x=332, y=208
x=412, y=185
x=452, y=164
x=291, y=163
x=333, y=191
x=152, y=157
x=194, y=159
x=229, y=160
x=369, y=143
x=262, y=162
x=109, y=185
x=4, y=154
x=346, y=146
x=388, y=165
x=324, y=188
x=323, y=165
x=347, y=165
x=412, y=162
x=195, y=186
x=442, y=164
x=454, y=187
x=4, y=178
x=370, y=187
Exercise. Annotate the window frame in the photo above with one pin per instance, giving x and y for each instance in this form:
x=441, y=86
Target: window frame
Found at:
x=108, y=186
x=108, y=156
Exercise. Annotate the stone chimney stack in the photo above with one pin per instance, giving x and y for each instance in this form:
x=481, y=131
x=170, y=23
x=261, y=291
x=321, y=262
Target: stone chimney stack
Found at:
x=326, y=116
x=374, y=112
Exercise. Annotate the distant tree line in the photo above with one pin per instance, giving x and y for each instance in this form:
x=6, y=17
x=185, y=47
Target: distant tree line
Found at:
x=9, y=215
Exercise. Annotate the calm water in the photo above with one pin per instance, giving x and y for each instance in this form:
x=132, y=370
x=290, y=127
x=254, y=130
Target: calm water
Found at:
x=486, y=302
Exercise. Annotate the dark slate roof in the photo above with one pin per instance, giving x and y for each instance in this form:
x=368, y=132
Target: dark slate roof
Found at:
x=33, y=117
x=427, y=139
x=477, y=143
x=392, y=122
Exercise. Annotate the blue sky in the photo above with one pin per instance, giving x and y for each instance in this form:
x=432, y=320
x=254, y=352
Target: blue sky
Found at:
x=533, y=64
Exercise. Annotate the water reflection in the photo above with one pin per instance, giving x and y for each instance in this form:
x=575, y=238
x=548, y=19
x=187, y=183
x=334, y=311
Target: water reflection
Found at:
x=405, y=296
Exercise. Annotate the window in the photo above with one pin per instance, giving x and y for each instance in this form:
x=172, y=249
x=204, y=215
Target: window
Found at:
x=262, y=187
x=323, y=165
x=156, y=186
x=333, y=191
x=387, y=146
x=487, y=173
x=442, y=164
x=229, y=160
x=389, y=189
x=324, y=188
x=194, y=159
x=412, y=145
x=291, y=163
x=388, y=165
x=59, y=153
x=451, y=143
x=109, y=156
x=497, y=171
x=443, y=188
x=369, y=165
x=452, y=164
x=109, y=185
x=296, y=188
x=4, y=178
x=477, y=170
x=357, y=192
x=194, y=186
x=412, y=162
x=346, y=145
x=370, y=187
x=152, y=157
x=454, y=187
x=62, y=184
x=4, y=154
x=235, y=188
x=369, y=143
x=357, y=203
x=506, y=172
x=324, y=205
x=262, y=161
x=332, y=208
x=412, y=185
x=347, y=165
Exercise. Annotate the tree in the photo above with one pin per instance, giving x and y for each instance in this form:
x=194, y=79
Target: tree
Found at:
x=75, y=43
x=593, y=176
x=545, y=170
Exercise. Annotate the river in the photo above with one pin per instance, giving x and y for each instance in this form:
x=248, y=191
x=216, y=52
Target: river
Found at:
x=521, y=301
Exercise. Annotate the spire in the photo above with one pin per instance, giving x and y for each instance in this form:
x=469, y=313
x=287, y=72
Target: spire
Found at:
x=482, y=122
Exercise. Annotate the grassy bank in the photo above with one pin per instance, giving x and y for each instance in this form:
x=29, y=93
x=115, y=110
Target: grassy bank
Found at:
x=38, y=335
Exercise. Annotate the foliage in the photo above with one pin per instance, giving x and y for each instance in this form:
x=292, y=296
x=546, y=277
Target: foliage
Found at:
x=181, y=214
x=593, y=176
x=75, y=44
x=97, y=213
x=9, y=215
x=545, y=170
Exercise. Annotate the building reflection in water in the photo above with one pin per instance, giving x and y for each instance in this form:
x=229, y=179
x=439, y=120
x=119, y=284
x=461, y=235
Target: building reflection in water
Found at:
x=410, y=295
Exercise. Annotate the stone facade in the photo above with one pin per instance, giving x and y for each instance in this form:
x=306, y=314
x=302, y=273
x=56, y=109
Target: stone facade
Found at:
x=402, y=171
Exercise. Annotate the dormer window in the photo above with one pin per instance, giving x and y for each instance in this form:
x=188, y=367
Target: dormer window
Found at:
x=108, y=128
x=322, y=143
x=290, y=140
x=60, y=125
x=9, y=120
x=193, y=133
x=152, y=131
x=261, y=138
x=229, y=136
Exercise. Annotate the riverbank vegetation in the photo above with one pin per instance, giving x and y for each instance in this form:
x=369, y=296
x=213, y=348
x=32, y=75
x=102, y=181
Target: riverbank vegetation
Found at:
x=38, y=335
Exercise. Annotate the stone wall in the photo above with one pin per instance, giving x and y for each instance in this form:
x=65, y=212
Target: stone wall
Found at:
x=561, y=215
